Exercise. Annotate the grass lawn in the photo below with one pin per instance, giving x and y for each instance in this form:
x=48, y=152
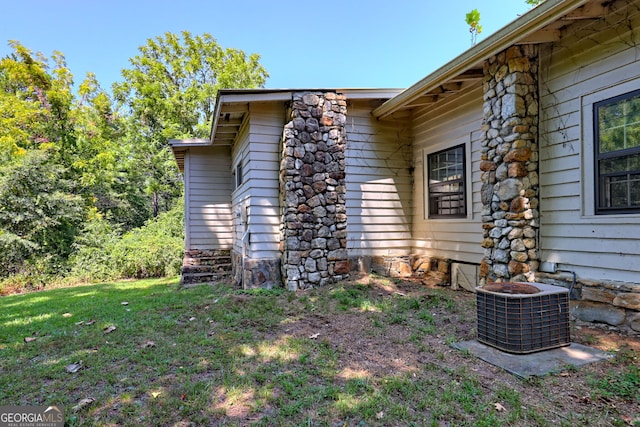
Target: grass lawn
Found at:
x=374, y=352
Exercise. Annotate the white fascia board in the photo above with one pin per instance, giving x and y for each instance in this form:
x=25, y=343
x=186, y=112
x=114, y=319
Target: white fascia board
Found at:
x=193, y=142
x=535, y=19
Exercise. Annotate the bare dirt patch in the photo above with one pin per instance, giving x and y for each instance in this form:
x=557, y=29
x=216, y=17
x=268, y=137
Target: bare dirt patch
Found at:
x=371, y=348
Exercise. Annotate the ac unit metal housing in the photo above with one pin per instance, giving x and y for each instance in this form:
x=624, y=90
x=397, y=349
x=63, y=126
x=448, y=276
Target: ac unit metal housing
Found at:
x=523, y=317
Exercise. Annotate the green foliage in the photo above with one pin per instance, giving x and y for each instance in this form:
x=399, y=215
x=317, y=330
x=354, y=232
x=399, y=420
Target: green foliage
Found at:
x=39, y=215
x=35, y=101
x=624, y=384
x=473, y=20
x=154, y=250
x=533, y=2
x=82, y=173
x=106, y=171
x=91, y=260
x=172, y=84
x=169, y=92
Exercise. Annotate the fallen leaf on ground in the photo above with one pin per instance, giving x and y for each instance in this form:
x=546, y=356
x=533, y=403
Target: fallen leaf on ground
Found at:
x=148, y=344
x=499, y=407
x=586, y=400
x=80, y=323
x=67, y=315
x=29, y=339
x=90, y=322
x=74, y=367
x=109, y=329
x=314, y=336
x=124, y=303
x=82, y=403
x=380, y=415
x=191, y=319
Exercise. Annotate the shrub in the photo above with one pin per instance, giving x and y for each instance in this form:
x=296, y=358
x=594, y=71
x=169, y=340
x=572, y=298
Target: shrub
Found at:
x=91, y=260
x=153, y=250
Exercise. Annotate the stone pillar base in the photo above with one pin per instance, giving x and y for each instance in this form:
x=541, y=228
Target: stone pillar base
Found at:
x=599, y=301
x=433, y=269
x=251, y=273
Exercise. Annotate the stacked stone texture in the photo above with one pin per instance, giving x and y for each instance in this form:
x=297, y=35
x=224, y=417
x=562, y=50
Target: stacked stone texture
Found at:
x=205, y=265
x=510, y=166
x=312, y=185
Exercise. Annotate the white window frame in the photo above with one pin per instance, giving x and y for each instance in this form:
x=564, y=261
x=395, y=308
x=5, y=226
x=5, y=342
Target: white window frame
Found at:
x=468, y=197
x=589, y=145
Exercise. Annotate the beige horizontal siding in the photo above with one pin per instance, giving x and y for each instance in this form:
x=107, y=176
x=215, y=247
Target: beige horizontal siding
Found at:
x=379, y=184
x=208, y=218
x=592, y=60
x=456, y=120
x=259, y=194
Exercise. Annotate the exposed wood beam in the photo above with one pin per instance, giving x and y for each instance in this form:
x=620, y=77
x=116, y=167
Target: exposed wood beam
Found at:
x=588, y=11
x=427, y=99
x=227, y=123
x=229, y=136
x=224, y=140
x=469, y=75
x=544, y=35
x=234, y=109
x=451, y=86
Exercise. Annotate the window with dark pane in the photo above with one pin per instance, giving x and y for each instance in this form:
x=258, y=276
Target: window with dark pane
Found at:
x=446, y=183
x=239, y=175
x=617, y=157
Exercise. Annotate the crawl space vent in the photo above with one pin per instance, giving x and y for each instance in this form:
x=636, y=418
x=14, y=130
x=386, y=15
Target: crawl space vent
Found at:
x=523, y=317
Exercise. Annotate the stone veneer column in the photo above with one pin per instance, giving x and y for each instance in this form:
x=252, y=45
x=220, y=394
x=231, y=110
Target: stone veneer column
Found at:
x=312, y=188
x=510, y=166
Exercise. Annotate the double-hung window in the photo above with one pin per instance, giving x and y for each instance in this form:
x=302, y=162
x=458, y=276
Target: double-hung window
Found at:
x=617, y=154
x=446, y=190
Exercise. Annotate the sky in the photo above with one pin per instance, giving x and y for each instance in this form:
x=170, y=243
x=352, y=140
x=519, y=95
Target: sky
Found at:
x=302, y=44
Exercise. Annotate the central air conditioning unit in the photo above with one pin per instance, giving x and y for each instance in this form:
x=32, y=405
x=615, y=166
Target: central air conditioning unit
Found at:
x=523, y=317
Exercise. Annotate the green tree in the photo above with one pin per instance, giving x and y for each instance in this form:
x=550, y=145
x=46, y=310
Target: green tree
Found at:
x=39, y=214
x=169, y=92
x=81, y=173
x=35, y=100
x=83, y=134
x=533, y=2
x=107, y=174
x=473, y=20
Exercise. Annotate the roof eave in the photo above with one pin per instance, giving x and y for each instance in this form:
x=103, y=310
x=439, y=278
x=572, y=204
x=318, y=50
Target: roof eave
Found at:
x=535, y=19
x=237, y=96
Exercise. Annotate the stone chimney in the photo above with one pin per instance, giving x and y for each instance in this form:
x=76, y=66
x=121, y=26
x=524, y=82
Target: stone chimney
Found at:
x=312, y=189
x=510, y=166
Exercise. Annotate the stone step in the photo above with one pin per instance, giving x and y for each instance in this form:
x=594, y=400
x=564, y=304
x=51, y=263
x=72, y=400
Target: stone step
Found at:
x=220, y=268
x=206, y=261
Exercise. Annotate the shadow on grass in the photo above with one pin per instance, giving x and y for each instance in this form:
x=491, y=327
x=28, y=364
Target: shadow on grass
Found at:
x=212, y=355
